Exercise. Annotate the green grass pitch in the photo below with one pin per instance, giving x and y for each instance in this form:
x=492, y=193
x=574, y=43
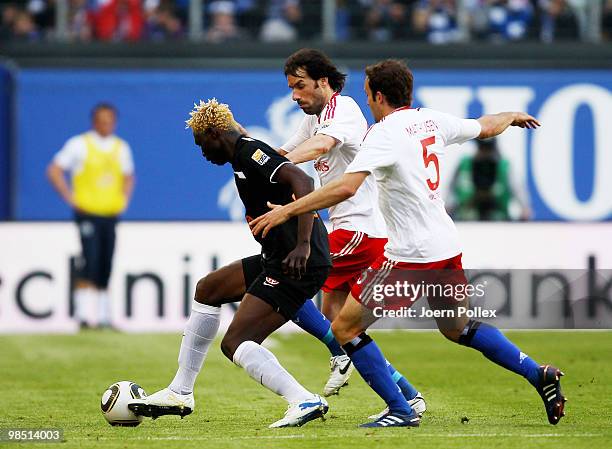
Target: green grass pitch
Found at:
x=57, y=381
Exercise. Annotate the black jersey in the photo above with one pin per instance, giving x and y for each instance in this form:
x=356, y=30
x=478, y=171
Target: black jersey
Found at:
x=255, y=165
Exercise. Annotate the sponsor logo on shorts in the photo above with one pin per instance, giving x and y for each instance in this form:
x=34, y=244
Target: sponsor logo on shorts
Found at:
x=364, y=276
x=271, y=282
x=260, y=157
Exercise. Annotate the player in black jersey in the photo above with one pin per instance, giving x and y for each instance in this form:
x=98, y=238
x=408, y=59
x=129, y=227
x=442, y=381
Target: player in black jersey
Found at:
x=272, y=286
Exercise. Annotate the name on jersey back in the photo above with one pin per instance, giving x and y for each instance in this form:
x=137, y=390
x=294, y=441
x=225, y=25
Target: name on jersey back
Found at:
x=426, y=127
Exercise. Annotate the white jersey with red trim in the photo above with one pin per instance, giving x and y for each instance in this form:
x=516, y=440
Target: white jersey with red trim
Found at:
x=405, y=151
x=343, y=120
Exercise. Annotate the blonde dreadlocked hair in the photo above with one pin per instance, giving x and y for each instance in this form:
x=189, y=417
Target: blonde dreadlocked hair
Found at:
x=211, y=114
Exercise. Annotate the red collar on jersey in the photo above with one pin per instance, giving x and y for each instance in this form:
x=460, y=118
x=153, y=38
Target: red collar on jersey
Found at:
x=403, y=108
x=331, y=108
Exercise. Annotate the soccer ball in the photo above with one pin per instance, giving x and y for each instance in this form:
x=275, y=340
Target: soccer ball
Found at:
x=114, y=403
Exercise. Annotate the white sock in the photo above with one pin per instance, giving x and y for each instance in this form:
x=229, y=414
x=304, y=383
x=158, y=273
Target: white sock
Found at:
x=83, y=299
x=199, y=333
x=104, y=308
x=263, y=367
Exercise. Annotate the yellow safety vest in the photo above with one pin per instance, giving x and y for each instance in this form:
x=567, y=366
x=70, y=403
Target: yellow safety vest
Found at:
x=99, y=186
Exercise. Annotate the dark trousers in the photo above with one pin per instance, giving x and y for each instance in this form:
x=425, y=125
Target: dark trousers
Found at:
x=98, y=245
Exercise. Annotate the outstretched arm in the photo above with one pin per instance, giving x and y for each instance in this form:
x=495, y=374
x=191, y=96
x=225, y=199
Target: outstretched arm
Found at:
x=333, y=193
x=495, y=124
x=311, y=149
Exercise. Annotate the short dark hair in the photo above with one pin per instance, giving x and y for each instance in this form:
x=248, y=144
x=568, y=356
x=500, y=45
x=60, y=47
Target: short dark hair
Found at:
x=317, y=65
x=393, y=79
x=101, y=106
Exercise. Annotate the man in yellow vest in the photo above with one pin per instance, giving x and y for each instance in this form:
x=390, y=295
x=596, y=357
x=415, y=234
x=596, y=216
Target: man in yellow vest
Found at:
x=102, y=172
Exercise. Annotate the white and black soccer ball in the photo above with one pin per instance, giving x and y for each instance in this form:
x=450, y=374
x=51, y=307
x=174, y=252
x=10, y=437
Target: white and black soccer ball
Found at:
x=114, y=403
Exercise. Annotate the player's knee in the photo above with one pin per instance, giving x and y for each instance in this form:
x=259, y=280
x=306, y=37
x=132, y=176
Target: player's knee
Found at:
x=229, y=344
x=452, y=329
x=451, y=334
x=207, y=288
x=344, y=332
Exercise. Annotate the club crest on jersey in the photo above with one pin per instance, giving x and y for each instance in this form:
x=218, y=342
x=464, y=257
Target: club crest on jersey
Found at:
x=260, y=157
x=270, y=282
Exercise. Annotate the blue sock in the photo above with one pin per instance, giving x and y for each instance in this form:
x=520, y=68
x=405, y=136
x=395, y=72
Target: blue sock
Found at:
x=497, y=348
x=408, y=390
x=314, y=322
x=372, y=366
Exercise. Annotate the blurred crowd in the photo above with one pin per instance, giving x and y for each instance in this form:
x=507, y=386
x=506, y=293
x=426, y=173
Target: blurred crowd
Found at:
x=436, y=21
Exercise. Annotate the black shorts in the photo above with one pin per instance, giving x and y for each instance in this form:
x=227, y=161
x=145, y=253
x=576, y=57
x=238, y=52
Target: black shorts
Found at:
x=284, y=294
x=98, y=245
